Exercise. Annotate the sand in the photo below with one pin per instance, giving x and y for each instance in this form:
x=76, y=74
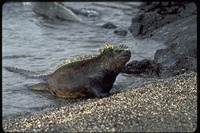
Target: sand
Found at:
x=169, y=105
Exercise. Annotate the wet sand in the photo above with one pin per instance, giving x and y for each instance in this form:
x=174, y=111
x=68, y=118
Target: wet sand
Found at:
x=168, y=105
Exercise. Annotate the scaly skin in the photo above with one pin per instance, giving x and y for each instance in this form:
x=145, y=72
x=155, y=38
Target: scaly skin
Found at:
x=84, y=76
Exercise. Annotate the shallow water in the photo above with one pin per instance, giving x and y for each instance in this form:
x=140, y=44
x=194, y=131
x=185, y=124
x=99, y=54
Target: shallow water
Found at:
x=32, y=43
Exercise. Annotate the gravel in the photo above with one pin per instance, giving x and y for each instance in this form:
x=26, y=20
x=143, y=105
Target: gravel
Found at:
x=168, y=105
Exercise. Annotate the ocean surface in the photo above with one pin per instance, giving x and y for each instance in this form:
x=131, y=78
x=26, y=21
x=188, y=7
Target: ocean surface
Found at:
x=33, y=43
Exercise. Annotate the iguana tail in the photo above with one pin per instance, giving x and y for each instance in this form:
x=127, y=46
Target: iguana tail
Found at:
x=27, y=73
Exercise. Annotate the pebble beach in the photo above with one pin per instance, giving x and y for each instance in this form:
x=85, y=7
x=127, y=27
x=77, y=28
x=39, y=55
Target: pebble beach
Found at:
x=168, y=105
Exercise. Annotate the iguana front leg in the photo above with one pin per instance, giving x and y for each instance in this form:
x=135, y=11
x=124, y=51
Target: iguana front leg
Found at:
x=97, y=90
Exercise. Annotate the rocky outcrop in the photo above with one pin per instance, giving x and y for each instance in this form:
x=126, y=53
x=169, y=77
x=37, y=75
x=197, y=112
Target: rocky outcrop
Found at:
x=174, y=24
x=158, y=14
x=55, y=11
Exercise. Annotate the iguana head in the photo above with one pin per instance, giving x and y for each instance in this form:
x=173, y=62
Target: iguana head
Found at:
x=114, y=58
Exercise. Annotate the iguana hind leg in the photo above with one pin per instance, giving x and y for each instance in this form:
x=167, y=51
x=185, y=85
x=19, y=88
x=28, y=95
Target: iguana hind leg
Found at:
x=39, y=87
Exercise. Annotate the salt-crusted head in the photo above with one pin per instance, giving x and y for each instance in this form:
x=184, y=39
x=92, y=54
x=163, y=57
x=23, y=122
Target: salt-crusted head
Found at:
x=114, y=58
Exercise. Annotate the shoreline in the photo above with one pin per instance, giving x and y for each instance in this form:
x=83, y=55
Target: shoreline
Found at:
x=174, y=24
x=167, y=105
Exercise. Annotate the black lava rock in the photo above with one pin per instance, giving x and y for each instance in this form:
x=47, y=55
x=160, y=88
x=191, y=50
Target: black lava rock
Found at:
x=144, y=67
x=157, y=14
x=175, y=25
x=120, y=32
x=109, y=26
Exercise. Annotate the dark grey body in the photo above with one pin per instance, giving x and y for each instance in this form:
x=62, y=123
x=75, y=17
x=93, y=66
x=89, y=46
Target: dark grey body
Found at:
x=87, y=78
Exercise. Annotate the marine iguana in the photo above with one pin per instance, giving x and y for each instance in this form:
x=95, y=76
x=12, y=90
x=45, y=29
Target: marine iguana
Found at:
x=55, y=10
x=88, y=76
